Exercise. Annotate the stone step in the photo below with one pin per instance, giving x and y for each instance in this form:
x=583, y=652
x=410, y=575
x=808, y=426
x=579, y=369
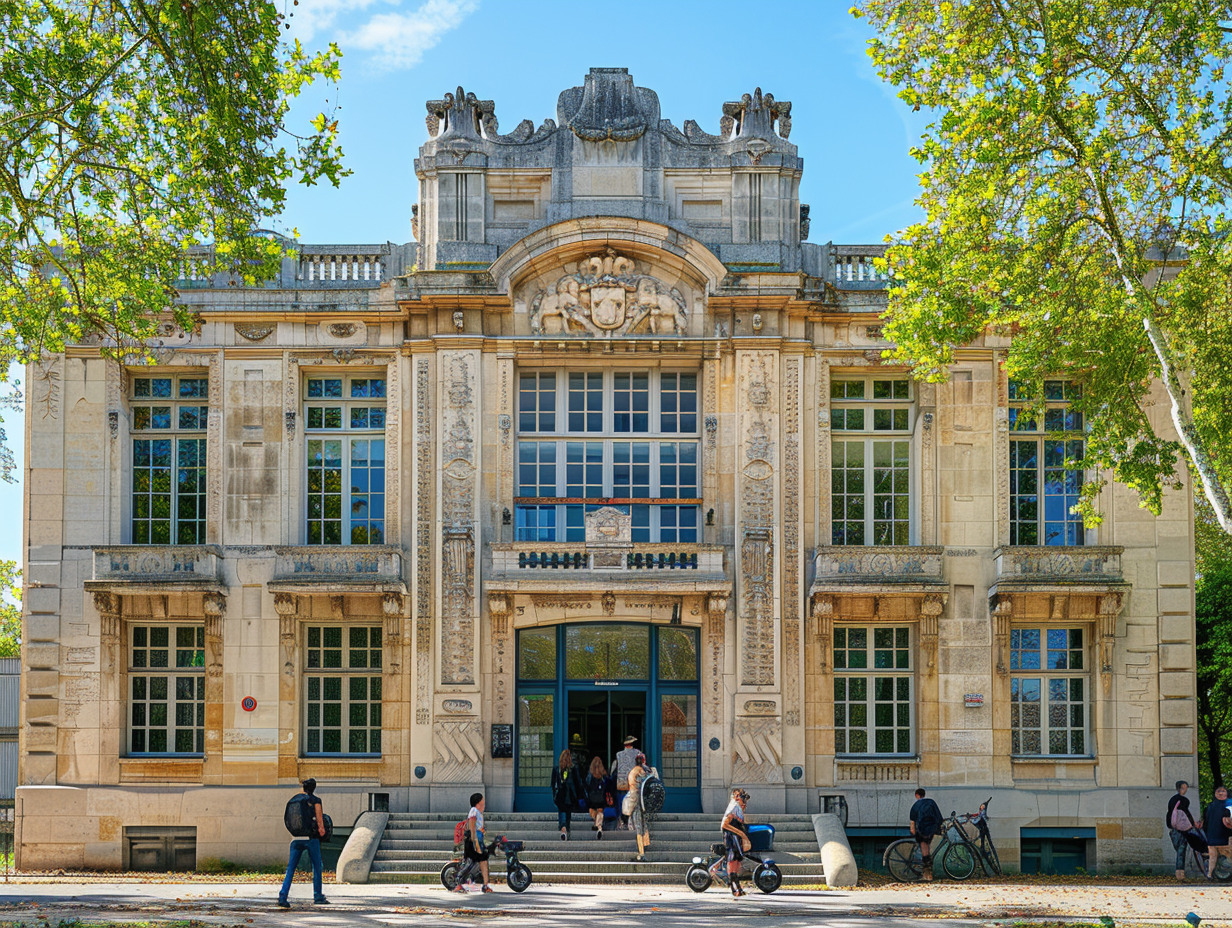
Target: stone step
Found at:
x=674, y=877
x=606, y=856
x=773, y=817
x=621, y=845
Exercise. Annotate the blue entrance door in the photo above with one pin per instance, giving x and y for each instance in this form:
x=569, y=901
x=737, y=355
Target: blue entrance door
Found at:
x=589, y=686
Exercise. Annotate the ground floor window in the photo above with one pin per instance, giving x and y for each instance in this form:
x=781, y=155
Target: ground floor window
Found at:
x=166, y=689
x=1048, y=691
x=1054, y=850
x=342, y=685
x=874, y=703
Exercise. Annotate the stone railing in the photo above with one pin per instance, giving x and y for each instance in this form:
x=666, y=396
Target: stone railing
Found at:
x=853, y=264
x=156, y=564
x=377, y=564
x=889, y=564
x=876, y=771
x=351, y=265
x=635, y=558
x=1059, y=564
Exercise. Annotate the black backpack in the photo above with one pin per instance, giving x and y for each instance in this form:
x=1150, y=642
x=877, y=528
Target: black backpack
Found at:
x=300, y=817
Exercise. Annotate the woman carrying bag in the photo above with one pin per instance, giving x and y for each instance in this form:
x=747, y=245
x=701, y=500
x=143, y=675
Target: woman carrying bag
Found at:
x=598, y=794
x=565, y=792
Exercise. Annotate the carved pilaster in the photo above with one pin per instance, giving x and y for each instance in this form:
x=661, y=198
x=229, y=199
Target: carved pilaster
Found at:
x=1001, y=607
x=287, y=607
x=213, y=453
x=824, y=530
x=756, y=500
x=928, y=463
x=823, y=627
x=793, y=541
x=504, y=427
x=423, y=542
x=500, y=607
x=710, y=443
x=214, y=607
x=109, y=608
x=1001, y=448
x=1109, y=610
x=459, y=462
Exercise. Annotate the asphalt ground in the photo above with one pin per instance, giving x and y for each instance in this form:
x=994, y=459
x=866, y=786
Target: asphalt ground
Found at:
x=248, y=904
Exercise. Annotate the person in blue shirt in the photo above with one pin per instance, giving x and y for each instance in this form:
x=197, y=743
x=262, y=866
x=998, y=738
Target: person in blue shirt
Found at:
x=312, y=845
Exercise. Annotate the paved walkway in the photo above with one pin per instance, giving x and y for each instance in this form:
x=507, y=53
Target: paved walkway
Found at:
x=609, y=906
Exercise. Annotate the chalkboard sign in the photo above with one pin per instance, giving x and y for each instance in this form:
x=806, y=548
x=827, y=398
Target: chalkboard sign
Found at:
x=502, y=741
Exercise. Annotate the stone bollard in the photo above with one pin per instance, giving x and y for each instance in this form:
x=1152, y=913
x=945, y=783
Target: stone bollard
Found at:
x=355, y=861
x=837, y=862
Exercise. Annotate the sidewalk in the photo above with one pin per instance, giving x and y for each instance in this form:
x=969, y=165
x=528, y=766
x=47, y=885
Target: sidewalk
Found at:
x=543, y=904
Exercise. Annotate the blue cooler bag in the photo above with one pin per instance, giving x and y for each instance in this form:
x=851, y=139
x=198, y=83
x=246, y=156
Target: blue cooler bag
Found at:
x=761, y=837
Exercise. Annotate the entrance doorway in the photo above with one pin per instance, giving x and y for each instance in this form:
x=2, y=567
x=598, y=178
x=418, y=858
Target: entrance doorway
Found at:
x=600, y=721
x=587, y=686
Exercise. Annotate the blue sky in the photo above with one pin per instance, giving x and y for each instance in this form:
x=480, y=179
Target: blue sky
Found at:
x=852, y=131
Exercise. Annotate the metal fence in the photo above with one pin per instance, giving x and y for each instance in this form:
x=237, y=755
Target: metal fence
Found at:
x=6, y=838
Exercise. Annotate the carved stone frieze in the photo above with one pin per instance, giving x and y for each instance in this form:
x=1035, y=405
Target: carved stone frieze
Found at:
x=792, y=542
x=607, y=297
x=457, y=750
x=756, y=512
x=757, y=750
x=609, y=525
x=254, y=331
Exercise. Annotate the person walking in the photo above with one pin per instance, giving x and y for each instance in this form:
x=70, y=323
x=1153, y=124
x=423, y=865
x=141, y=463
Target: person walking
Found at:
x=1218, y=828
x=632, y=806
x=314, y=815
x=1180, y=821
x=474, y=849
x=625, y=761
x=736, y=837
x=565, y=792
x=597, y=792
x=926, y=822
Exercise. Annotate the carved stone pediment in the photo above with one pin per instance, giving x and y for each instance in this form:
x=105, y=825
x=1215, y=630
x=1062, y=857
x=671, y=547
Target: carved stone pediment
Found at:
x=608, y=296
x=609, y=526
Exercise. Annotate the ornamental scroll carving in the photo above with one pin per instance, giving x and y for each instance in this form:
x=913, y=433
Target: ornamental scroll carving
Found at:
x=457, y=749
x=423, y=543
x=756, y=510
x=458, y=475
x=755, y=749
x=607, y=296
x=792, y=542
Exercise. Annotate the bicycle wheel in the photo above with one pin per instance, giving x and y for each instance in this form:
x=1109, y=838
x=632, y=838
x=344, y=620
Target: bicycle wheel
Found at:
x=958, y=861
x=449, y=875
x=697, y=878
x=519, y=878
x=991, y=858
x=1223, y=869
x=902, y=859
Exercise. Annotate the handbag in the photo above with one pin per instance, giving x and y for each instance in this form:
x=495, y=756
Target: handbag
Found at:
x=1180, y=820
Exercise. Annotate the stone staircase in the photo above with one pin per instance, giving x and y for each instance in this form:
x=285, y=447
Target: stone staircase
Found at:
x=416, y=845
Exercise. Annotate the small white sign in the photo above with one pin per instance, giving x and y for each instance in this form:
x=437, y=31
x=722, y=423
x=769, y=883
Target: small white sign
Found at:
x=973, y=700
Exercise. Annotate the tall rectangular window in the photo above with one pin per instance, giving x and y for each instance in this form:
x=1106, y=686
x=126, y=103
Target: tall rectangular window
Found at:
x=166, y=689
x=342, y=684
x=874, y=702
x=870, y=478
x=627, y=439
x=344, y=418
x=1045, y=465
x=1048, y=691
x=169, y=419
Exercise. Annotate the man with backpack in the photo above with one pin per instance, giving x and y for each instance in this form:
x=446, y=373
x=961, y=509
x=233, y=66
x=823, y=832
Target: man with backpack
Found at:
x=926, y=822
x=306, y=820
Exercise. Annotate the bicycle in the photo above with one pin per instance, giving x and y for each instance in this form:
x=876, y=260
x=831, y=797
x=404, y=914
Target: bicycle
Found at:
x=517, y=874
x=956, y=852
x=1223, y=865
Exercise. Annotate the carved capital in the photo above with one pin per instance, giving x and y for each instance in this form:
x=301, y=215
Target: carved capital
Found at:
x=1001, y=607
x=286, y=604
x=337, y=604
x=109, y=608
x=391, y=604
x=823, y=627
x=608, y=602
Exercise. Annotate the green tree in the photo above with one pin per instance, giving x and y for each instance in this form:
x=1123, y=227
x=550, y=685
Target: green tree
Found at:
x=1214, y=637
x=1075, y=186
x=131, y=131
x=10, y=609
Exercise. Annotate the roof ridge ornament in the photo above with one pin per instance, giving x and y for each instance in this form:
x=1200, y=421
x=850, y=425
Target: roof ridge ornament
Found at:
x=753, y=117
x=608, y=107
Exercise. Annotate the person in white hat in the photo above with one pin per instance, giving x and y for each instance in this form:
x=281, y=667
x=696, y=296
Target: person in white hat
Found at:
x=625, y=761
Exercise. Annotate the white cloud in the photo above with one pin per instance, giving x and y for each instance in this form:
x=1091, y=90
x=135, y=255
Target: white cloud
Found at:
x=390, y=39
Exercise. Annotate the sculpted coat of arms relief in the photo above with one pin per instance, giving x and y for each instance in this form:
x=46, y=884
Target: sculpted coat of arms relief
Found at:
x=606, y=297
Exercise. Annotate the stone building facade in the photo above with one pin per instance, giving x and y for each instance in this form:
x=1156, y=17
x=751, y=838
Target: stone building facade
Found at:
x=610, y=449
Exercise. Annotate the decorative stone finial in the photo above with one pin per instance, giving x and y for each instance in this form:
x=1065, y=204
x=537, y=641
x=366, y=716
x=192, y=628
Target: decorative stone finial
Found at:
x=753, y=117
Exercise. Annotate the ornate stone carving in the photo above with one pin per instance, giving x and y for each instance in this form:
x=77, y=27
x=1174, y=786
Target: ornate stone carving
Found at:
x=391, y=604
x=456, y=706
x=423, y=543
x=156, y=564
x=459, y=320
x=756, y=756
x=286, y=603
x=823, y=627
x=109, y=610
x=457, y=747
x=393, y=457
x=793, y=541
x=609, y=526
x=608, y=107
x=499, y=607
x=1109, y=610
x=254, y=331
x=47, y=377
x=458, y=478
x=608, y=601
x=113, y=422
x=1001, y=607
x=838, y=563
x=804, y=221
x=342, y=329
x=754, y=115
x=757, y=519
x=931, y=607
x=1089, y=564
x=606, y=297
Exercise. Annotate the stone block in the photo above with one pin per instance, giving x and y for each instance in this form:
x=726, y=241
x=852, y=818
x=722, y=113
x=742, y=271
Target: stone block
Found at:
x=42, y=655
x=1176, y=657
x=1176, y=740
x=1175, y=601
x=42, y=683
x=42, y=600
x=1176, y=628
x=42, y=627
x=1108, y=831
x=1176, y=684
x=1177, y=712
x=1175, y=573
x=42, y=710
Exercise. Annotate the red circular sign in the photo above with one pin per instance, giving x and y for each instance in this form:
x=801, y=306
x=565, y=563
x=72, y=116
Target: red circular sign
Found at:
x=248, y=704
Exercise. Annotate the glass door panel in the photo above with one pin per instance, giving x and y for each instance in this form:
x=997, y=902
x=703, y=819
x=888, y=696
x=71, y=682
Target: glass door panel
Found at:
x=536, y=715
x=678, y=740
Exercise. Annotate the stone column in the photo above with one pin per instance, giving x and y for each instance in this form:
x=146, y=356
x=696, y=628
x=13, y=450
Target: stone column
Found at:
x=286, y=605
x=793, y=567
x=214, y=608
x=110, y=686
x=758, y=731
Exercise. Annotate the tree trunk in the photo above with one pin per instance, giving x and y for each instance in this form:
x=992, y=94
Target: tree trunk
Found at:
x=1176, y=377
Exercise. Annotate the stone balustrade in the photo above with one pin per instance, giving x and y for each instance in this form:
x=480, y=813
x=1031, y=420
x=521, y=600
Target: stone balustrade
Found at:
x=877, y=564
x=1059, y=564
x=378, y=566
x=156, y=564
x=348, y=265
x=853, y=264
x=876, y=771
x=633, y=558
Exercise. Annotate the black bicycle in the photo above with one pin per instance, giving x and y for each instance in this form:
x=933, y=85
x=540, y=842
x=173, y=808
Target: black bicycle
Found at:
x=953, y=849
x=517, y=874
